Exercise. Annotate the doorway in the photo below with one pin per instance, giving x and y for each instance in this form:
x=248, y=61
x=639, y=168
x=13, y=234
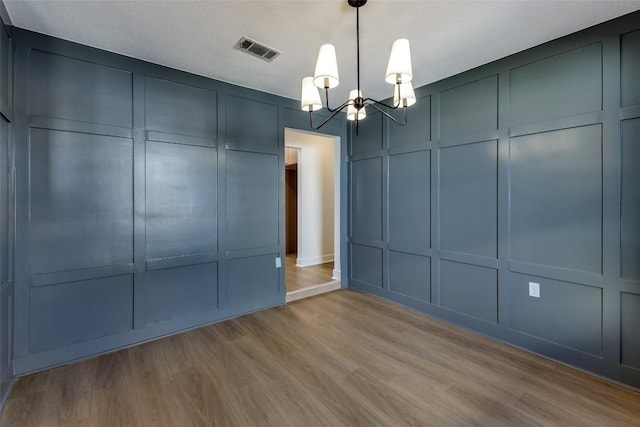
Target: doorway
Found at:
x=312, y=213
x=291, y=156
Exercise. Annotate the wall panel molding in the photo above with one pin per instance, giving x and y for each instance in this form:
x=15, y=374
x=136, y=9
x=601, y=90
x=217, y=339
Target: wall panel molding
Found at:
x=178, y=108
x=42, y=122
x=630, y=200
x=170, y=171
x=555, y=203
x=7, y=192
x=47, y=279
x=567, y=83
x=179, y=139
x=468, y=198
x=469, y=108
x=556, y=198
x=65, y=87
x=550, y=125
x=80, y=201
x=629, y=64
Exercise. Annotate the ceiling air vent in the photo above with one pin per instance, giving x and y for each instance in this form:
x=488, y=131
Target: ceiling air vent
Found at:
x=256, y=49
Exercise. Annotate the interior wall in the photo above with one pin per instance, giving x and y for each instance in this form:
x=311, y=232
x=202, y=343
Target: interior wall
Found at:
x=6, y=216
x=316, y=194
x=516, y=175
x=148, y=200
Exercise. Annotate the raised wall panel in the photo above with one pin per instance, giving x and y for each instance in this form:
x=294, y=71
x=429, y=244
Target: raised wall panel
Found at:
x=409, y=201
x=6, y=329
x=5, y=67
x=556, y=198
x=630, y=329
x=6, y=341
x=369, y=137
x=81, y=201
x=562, y=85
x=69, y=313
x=418, y=127
x=180, y=109
x=7, y=285
x=181, y=200
x=566, y=313
x=252, y=200
x=366, y=199
x=630, y=198
x=251, y=279
x=468, y=198
x=630, y=68
x=4, y=200
x=410, y=275
x=251, y=125
x=68, y=88
x=470, y=108
x=469, y=289
x=366, y=264
x=181, y=291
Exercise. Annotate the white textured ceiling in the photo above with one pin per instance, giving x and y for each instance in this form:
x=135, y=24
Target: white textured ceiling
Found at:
x=447, y=37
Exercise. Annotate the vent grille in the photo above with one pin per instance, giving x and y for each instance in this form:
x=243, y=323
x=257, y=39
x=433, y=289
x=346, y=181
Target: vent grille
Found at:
x=256, y=49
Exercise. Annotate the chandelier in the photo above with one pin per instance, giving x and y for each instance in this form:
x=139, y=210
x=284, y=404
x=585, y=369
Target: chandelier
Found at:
x=326, y=77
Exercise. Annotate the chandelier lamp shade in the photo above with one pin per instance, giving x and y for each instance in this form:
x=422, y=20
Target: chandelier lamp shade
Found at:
x=399, y=74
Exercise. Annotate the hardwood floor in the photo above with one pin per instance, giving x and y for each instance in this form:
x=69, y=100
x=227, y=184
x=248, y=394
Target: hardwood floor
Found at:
x=339, y=359
x=304, y=277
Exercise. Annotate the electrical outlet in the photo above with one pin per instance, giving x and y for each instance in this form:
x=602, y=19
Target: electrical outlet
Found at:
x=278, y=262
x=534, y=289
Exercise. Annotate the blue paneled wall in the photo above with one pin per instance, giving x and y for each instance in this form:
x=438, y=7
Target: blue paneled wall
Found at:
x=521, y=171
x=6, y=211
x=148, y=200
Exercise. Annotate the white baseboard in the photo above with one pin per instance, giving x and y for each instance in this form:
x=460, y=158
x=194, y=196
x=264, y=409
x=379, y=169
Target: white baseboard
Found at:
x=337, y=274
x=306, y=262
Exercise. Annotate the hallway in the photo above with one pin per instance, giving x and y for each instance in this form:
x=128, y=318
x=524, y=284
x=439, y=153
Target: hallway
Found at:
x=304, y=277
x=304, y=282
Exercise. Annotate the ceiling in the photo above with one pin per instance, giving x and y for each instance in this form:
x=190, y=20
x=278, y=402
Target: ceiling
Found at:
x=447, y=37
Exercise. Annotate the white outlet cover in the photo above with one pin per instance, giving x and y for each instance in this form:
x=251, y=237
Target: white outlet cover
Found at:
x=534, y=289
x=278, y=262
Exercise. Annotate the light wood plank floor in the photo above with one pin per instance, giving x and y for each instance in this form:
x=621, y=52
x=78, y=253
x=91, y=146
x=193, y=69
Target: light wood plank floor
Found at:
x=339, y=359
x=304, y=277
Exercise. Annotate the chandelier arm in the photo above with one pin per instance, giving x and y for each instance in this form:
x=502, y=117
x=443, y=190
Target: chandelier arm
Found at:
x=332, y=110
x=404, y=109
x=373, y=101
x=335, y=113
